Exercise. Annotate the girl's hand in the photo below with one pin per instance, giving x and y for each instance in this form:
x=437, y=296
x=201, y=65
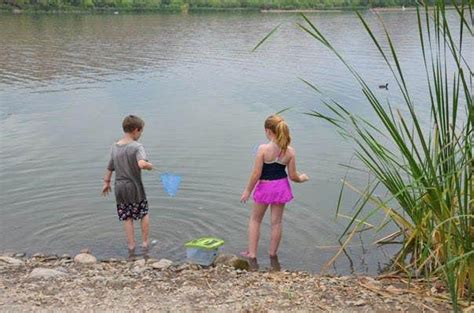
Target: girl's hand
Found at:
x=303, y=178
x=245, y=196
x=106, y=189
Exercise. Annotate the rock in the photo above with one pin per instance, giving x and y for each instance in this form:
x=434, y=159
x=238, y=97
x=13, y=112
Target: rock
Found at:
x=38, y=255
x=195, y=267
x=65, y=256
x=224, y=259
x=139, y=269
x=162, y=264
x=85, y=250
x=20, y=255
x=85, y=258
x=359, y=302
x=46, y=273
x=233, y=261
x=140, y=263
x=66, y=261
x=151, y=261
x=11, y=261
x=394, y=290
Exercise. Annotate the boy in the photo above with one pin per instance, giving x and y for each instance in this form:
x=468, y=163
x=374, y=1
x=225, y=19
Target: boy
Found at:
x=127, y=159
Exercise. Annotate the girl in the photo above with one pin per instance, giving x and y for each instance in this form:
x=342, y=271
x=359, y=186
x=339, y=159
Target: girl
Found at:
x=272, y=186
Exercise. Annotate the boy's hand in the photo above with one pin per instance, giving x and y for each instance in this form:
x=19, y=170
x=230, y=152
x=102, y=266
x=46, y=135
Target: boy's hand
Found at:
x=245, y=196
x=106, y=189
x=144, y=165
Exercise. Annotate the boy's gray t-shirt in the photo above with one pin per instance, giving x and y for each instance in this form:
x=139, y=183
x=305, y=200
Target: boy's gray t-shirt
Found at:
x=128, y=179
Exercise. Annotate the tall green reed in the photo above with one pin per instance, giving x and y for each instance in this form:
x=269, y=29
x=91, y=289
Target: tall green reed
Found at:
x=427, y=170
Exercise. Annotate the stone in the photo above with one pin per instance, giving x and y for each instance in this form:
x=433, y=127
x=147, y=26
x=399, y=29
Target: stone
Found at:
x=11, y=261
x=140, y=263
x=224, y=259
x=85, y=250
x=232, y=260
x=20, y=255
x=139, y=269
x=46, y=273
x=38, y=255
x=394, y=290
x=162, y=264
x=85, y=258
x=65, y=256
x=360, y=302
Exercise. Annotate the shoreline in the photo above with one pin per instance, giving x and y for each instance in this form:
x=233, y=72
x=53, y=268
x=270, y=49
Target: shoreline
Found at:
x=8, y=9
x=64, y=283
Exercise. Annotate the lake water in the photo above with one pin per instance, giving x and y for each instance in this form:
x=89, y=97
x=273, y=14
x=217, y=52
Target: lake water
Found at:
x=67, y=81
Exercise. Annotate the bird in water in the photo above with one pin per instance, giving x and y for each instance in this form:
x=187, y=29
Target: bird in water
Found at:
x=384, y=86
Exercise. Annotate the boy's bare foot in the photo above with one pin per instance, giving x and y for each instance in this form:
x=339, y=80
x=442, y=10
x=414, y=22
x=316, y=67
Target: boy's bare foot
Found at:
x=145, y=251
x=131, y=254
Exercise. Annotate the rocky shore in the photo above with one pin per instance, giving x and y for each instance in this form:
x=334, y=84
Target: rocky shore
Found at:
x=83, y=283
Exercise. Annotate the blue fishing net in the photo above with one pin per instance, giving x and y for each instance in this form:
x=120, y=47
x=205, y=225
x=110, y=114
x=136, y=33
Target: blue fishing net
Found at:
x=170, y=183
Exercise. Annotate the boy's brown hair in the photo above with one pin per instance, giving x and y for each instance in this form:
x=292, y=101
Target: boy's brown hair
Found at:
x=132, y=122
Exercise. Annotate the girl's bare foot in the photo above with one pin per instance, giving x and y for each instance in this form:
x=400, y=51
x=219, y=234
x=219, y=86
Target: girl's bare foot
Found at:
x=274, y=263
x=253, y=264
x=131, y=254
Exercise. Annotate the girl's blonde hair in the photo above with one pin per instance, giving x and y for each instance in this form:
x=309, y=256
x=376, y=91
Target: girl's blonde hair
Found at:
x=278, y=126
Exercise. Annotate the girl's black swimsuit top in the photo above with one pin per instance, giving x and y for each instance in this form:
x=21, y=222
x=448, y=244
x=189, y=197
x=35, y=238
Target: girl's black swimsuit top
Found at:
x=273, y=171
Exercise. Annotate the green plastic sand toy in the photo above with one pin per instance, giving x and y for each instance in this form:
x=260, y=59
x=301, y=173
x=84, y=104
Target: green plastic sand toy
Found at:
x=207, y=243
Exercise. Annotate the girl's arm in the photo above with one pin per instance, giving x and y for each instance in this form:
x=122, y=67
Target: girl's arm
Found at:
x=254, y=177
x=294, y=175
x=107, y=179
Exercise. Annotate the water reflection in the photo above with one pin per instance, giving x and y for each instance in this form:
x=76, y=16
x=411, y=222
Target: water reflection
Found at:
x=66, y=82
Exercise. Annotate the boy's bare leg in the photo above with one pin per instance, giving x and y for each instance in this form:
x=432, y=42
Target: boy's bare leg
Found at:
x=130, y=232
x=145, y=224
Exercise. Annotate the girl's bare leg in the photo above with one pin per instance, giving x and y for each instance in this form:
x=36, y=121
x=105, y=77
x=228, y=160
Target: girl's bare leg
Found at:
x=130, y=232
x=258, y=212
x=145, y=224
x=277, y=216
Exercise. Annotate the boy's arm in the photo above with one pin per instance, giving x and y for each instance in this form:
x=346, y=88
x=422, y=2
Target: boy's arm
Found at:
x=144, y=165
x=107, y=179
x=142, y=159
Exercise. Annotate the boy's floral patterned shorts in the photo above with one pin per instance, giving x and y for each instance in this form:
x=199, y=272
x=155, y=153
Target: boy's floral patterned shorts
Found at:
x=132, y=210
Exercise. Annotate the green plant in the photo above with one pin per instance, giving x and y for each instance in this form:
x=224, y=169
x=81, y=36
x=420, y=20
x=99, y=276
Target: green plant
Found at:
x=428, y=172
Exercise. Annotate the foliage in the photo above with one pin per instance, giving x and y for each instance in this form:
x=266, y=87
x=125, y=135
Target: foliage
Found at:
x=183, y=5
x=427, y=169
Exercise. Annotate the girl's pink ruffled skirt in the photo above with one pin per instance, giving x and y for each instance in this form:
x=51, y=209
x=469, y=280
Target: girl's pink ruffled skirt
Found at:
x=273, y=191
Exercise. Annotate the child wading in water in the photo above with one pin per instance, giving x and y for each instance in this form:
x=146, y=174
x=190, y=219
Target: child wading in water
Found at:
x=272, y=187
x=127, y=159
